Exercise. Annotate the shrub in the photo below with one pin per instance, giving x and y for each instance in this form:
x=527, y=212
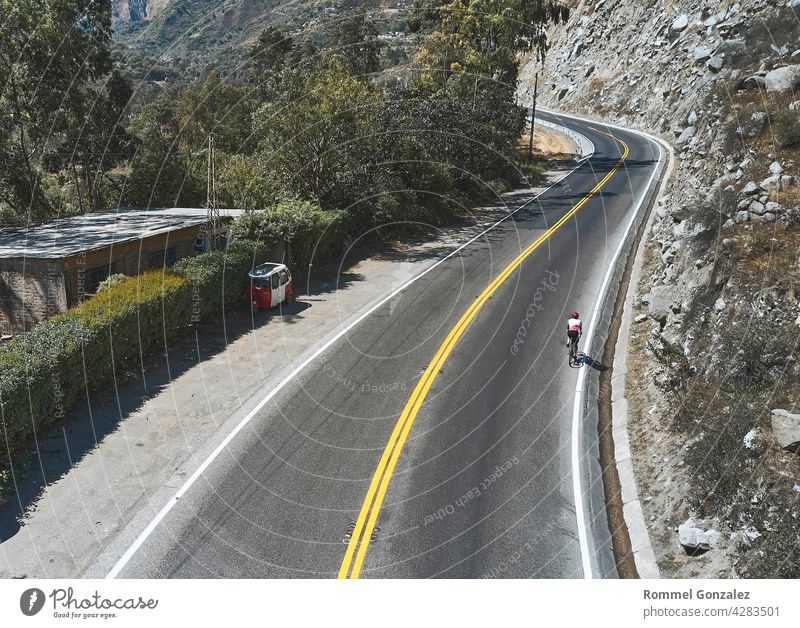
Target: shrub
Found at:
x=314, y=232
x=217, y=278
x=132, y=318
x=38, y=375
x=111, y=280
x=324, y=239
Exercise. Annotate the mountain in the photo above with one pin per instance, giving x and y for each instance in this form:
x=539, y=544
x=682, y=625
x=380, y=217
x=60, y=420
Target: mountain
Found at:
x=168, y=39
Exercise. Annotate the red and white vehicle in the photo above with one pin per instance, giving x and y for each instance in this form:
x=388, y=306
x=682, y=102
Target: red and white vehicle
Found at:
x=268, y=285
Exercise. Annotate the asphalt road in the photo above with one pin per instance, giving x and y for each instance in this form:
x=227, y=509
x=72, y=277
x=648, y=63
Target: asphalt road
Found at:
x=483, y=480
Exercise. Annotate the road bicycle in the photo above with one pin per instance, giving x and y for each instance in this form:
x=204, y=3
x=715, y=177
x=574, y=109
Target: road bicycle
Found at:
x=575, y=357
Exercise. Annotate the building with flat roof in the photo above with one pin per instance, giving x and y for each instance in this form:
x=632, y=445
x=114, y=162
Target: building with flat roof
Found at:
x=47, y=267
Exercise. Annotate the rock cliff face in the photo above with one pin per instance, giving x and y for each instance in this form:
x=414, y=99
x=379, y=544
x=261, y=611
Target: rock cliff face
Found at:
x=137, y=10
x=718, y=312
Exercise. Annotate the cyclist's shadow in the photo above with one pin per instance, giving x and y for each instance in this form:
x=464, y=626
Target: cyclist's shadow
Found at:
x=583, y=359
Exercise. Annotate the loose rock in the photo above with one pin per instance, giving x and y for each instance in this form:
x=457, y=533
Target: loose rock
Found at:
x=751, y=188
x=679, y=24
x=696, y=540
x=783, y=79
x=716, y=62
x=786, y=429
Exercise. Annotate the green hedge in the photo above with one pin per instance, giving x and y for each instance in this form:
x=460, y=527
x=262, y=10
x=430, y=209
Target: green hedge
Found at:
x=47, y=369
x=316, y=234
x=217, y=278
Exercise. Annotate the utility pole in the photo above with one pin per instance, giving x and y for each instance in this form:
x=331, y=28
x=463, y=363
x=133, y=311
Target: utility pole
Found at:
x=211, y=193
x=533, y=114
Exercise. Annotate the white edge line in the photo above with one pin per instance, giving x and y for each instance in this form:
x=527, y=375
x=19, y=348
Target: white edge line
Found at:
x=120, y=565
x=577, y=413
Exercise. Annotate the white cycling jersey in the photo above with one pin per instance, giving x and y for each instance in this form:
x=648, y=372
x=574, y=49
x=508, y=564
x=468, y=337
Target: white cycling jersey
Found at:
x=574, y=324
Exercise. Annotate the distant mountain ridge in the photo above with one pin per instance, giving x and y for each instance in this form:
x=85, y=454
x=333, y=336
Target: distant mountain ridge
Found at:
x=164, y=39
x=137, y=10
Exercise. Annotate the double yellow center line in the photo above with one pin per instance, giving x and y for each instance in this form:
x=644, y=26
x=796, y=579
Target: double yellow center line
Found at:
x=368, y=516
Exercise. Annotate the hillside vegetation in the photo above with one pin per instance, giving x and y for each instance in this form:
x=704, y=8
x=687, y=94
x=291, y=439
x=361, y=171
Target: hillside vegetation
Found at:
x=183, y=39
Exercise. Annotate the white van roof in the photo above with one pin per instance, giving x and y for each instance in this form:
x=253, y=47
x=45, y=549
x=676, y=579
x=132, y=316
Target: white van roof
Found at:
x=266, y=269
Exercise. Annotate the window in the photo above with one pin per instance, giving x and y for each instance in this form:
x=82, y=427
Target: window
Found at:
x=274, y=281
x=93, y=278
x=284, y=277
x=159, y=259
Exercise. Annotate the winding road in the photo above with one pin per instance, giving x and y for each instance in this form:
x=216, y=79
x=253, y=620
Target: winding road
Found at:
x=440, y=435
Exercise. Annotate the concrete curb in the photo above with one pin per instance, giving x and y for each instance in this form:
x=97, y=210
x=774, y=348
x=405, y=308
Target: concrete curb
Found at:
x=643, y=554
x=642, y=549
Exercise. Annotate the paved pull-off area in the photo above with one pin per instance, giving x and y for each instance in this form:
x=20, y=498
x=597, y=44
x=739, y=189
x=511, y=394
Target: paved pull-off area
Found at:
x=432, y=438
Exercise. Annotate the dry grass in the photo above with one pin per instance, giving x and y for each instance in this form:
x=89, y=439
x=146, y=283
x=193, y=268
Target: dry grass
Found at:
x=767, y=251
x=788, y=196
x=766, y=140
x=548, y=144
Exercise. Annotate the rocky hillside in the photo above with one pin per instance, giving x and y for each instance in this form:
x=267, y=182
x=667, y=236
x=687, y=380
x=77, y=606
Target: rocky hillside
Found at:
x=716, y=432
x=164, y=39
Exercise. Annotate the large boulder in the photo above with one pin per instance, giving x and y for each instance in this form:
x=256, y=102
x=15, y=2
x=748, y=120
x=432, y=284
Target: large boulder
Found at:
x=679, y=24
x=685, y=137
x=778, y=182
x=715, y=63
x=786, y=429
x=696, y=540
x=661, y=300
x=783, y=79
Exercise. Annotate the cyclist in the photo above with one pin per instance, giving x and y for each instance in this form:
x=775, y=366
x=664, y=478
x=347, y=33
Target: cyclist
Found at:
x=574, y=331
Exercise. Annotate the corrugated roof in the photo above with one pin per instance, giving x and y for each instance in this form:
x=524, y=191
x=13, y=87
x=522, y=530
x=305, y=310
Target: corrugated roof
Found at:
x=71, y=235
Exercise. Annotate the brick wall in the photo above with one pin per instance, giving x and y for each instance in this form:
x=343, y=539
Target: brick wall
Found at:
x=29, y=295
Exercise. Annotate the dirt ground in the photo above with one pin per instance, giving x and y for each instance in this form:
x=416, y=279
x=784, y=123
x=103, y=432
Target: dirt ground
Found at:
x=549, y=144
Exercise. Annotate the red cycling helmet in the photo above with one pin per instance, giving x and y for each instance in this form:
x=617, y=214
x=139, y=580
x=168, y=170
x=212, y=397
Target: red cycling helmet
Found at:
x=575, y=315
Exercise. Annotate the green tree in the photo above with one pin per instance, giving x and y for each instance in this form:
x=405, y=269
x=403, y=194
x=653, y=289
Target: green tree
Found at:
x=51, y=53
x=275, y=59
x=94, y=139
x=355, y=42
x=269, y=57
x=243, y=183
x=163, y=175
x=309, y=135
x=219, y=107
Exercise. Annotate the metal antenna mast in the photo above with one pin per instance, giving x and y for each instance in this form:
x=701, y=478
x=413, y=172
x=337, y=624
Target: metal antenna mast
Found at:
x=533, y=115
x=211, y=192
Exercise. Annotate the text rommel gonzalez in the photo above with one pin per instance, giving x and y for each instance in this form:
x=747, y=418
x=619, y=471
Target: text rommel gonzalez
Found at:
x=697, y=594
